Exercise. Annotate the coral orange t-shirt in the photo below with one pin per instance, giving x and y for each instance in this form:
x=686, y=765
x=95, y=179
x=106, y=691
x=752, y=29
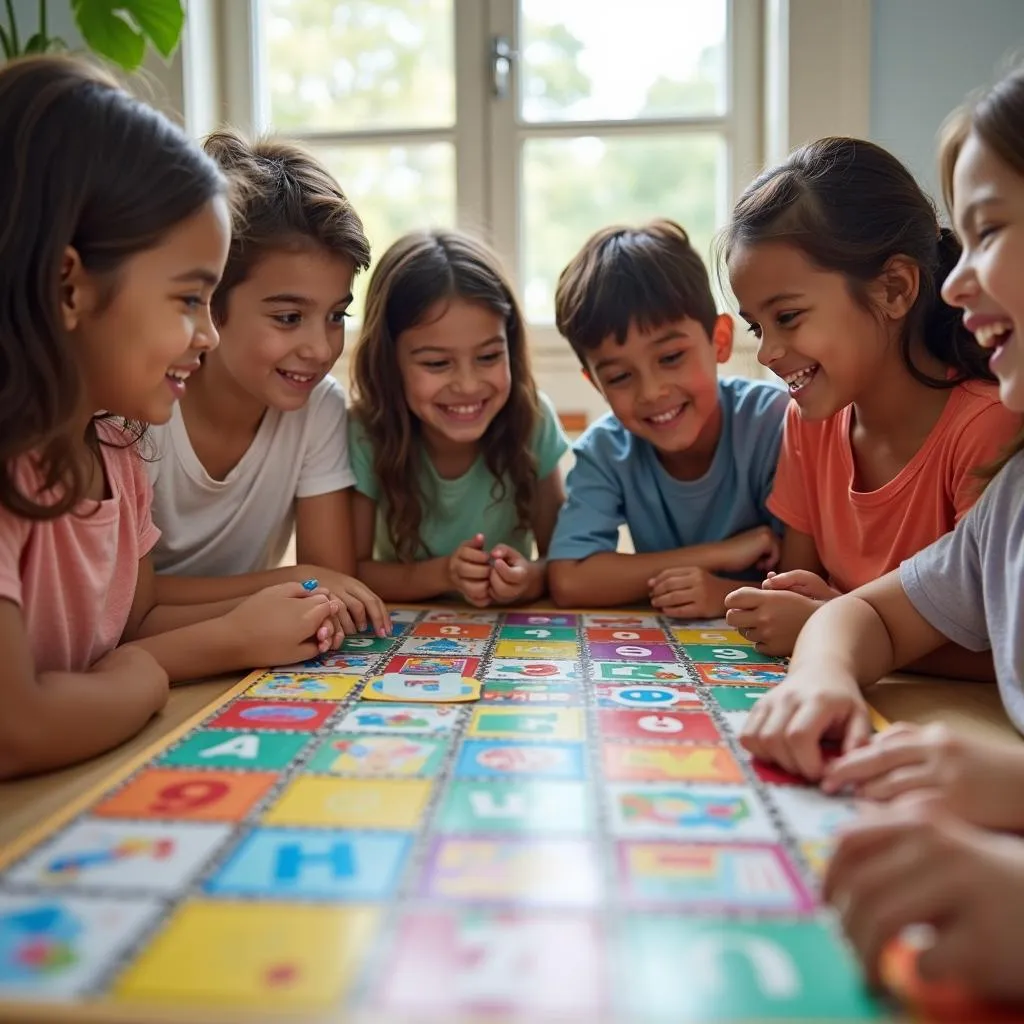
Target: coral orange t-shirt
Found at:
x=861, y=535
x=74, y=577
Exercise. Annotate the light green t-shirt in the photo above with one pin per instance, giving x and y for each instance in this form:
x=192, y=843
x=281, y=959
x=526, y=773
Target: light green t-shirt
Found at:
x=456, y=510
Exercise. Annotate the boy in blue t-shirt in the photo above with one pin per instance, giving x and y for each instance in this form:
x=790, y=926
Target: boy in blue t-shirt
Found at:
x=684, y=459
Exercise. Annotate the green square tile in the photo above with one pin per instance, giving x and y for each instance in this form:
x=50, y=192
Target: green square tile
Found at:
x=738, y=698
x=686, y=970
x=524, y=806
x=722, y=654
x=228, y=748
x=547, y=634
x=366, y=645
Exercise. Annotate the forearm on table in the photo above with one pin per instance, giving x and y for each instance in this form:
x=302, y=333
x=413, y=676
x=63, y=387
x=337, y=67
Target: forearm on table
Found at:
x=957, y=663
x=206, y=648
x=196, y=590
x=407, y=581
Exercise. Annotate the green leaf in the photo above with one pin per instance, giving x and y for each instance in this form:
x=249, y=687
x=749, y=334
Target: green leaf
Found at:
x=161, y=21
x=107, y=33
x=37, y=44
x=5, y=44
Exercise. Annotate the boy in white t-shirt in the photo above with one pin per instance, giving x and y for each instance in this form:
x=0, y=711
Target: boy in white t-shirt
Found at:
x=258, y=444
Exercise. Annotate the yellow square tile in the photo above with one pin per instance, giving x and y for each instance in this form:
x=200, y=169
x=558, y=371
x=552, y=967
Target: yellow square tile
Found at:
x=730, y=637
x=556, y=650
x=527, y=723
x=302, y=686
x=263, y=956
x=351, y=803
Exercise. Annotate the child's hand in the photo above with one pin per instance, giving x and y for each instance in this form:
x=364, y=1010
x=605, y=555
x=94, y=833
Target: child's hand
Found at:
x=913, y=864
x=469, y=570
x=285, y=624
x=138, y=668
x=360, y=606
x=510, y=575
x=770, y=620
x=800, y=581
x=787, y=725
x=981, y=781
x=757, y=548
x=688, y=593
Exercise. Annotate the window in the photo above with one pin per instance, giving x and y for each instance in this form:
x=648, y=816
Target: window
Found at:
x=533, y=122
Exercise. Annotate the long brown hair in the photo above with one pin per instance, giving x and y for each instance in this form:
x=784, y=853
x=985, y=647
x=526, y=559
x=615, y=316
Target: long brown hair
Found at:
x=284, y=197
x=850, y=206
x=996, y=117
x=82, y=164
x=421, y=269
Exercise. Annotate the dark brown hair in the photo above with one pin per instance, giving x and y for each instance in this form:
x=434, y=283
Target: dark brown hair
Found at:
x=996, y=117
x=85, y=165
x=850, y=206
x=286, y=199
x=421, y=269
x=649, y=276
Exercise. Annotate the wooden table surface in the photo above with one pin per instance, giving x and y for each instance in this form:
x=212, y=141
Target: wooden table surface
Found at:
x=973, y=707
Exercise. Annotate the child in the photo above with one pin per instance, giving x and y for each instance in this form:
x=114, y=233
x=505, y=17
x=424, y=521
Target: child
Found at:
x=454, y=451
x=685, y=460
x=113, y=235
x=257, y=446
x=915, y=864
x=836, y=258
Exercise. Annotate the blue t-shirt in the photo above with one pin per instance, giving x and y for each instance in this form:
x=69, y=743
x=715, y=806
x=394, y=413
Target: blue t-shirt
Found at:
x=618, y=478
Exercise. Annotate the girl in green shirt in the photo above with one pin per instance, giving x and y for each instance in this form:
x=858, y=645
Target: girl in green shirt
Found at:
x=454, y=451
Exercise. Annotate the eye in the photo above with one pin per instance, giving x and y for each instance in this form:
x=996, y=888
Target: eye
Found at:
x=754, y=329
x=671, y=358
x=192, y=302
x=619, y=378
x=788, y=317
x=288, y=319
x=489, y=358
x=435, y=364
x=987, y=232
x=339, y=316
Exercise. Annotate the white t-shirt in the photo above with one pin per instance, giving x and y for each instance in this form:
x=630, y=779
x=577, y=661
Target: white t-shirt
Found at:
x=244, y=522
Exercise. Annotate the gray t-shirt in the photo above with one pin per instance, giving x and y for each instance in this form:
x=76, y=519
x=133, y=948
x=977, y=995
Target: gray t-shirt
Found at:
x=969, y=584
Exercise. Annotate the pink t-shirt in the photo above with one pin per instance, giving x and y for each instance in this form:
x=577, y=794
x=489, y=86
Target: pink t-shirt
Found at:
x=75, y=577
x=862, y=535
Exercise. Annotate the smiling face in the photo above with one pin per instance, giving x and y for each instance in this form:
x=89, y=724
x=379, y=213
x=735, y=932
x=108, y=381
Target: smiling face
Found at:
x=455, y=370
x=826, y=346
x=988, y=212
x=662, y=383
x=284, y=327
x=140, y=342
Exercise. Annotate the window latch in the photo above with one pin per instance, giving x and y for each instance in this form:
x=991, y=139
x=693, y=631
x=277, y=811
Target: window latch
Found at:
x=502, y=56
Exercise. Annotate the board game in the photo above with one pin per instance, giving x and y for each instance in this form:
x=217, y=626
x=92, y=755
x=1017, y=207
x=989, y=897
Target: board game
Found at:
x=586, y=841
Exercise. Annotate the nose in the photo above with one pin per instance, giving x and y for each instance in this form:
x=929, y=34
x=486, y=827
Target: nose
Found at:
x=769, y=352
x=465, y=380
x=652, y=387
x=206, y=337
x=319, y=345
x=961, y=284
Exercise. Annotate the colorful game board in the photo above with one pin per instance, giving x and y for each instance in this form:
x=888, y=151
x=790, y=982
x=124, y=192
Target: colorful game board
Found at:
x=585, y=842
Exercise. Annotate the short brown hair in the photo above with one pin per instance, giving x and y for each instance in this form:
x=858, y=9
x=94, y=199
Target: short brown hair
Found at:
x=648, y=276
x=286, y=198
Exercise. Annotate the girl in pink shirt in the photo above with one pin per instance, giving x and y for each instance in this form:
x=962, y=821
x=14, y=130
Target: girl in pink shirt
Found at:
x=113, y=235
x=837, y=260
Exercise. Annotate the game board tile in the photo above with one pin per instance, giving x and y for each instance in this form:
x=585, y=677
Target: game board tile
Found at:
x=555, y=650
x=511, y=668
x=678, y=810
x=498, y=759
x=318, y=801
x=454, y=630
x=621, y=620
x=530, y=966
x=729, y=637
x=551, y=873
x=304, y=686
x=341, y=662
x=188, y=794
x=735, y=721
x=55, y=947
x=366, y=644
x=290, y=715
x=140, y=856
x=776, y=776
x=317, y=864
x=443, y=646
x=527, y=693
x=633, y=651
x=595, y=634
x=230, y=748
x=711, y=877
x=623, y=673
x=542, y=634
x=406, y=615
x=526, y=723
x=717, y=654
x=402, y=688
x=251, y=956
x=541, y=619
x=677, y=726
x=397, y=629
x=368, y=755
x=428, y=665
x=811, y=814
x=520, y=806
x=770, y=969
x=738, y=698
x=664, y=762
x=646, y=697
x=461, y=616
x=741, y=675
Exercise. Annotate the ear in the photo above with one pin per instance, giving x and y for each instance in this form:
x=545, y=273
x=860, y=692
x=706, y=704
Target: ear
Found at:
x=722, y=338
x=75, y=288
x=896, y=288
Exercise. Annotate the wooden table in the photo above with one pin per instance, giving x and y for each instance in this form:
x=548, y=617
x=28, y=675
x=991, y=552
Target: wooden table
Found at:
x=973, y=707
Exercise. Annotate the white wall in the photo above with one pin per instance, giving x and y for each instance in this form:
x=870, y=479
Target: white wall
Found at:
x=926, y=56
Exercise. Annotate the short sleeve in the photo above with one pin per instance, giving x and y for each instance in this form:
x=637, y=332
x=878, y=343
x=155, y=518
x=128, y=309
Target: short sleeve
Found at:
x=146, y=529
x=14, y=533
x=768, y=431
x=982, y=440
x=593, y=511
x=549, y=443
x=788, y=499
x=943, y=582
x=361, y=455
x=325, y=461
